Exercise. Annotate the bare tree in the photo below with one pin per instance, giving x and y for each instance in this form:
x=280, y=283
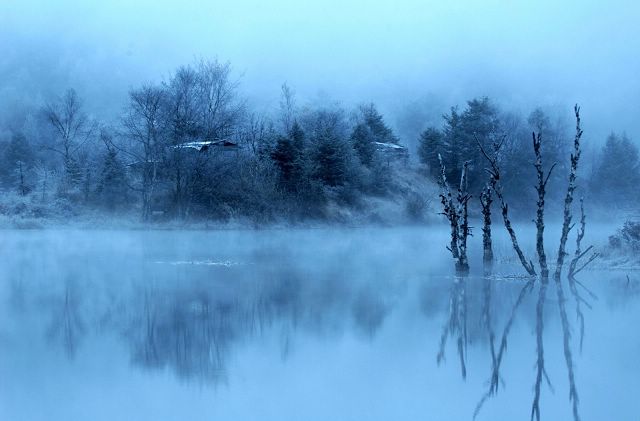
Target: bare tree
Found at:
x=463, y=198
x=579, y=254
x=142, y=124
x=183, y=124
x=457, y=212
x=494, y=176
x=220, y=107
x=287, y=107
x=573, y=173
x=254, y=132
x=42, y=179
x=72, y=128
x=541, y=189
x=486, y=200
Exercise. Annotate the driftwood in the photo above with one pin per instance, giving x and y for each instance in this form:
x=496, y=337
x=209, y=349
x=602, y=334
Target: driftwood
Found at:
x=573, y=173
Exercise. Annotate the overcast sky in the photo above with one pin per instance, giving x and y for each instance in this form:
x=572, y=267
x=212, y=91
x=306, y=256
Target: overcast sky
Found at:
x=522, y=53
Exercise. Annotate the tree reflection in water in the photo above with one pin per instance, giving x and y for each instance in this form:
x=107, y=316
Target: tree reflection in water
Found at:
x=193, y=328
x=66, y=324
x=456, y=325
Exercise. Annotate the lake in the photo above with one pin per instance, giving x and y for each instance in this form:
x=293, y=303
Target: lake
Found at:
x=324, y=324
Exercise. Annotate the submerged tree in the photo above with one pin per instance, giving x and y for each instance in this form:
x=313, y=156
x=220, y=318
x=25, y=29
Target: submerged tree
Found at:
x=573, y=174
x=494, y=176
x=457, y=213
x=486, y=200
x=541, y=188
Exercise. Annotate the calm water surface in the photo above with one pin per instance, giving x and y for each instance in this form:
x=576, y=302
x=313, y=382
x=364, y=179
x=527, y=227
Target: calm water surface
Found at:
x=302, y=325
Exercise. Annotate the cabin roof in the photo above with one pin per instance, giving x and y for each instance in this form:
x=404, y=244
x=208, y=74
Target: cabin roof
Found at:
x=204, y=145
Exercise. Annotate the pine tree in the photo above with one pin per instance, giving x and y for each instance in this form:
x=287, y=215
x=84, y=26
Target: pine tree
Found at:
x=618, y=174
x=288, y=155
x=458, y=141
x=364, y=144
x=284, y=156
x=452, y=155
x=112, y=184
x=19, y=160
x=330, y=160
x=431, y=144
x=375, y=122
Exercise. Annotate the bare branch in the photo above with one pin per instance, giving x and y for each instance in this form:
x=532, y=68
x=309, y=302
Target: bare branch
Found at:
x=575, y=158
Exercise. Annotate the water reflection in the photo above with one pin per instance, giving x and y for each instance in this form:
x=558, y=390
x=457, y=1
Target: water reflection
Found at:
x=193, y=328
x=195, y=322
x=456, y=325
x=66, y=325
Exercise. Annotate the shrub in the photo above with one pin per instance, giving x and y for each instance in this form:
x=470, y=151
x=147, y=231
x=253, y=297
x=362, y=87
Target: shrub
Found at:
x=627, y=238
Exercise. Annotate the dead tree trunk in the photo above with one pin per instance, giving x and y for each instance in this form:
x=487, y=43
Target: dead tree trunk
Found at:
x=463, y=219
x=494, y=174
x=566, y=225
x=486, y=199
x=457, y=212
x=449, y=210
x=579, y=253
x=541, y=189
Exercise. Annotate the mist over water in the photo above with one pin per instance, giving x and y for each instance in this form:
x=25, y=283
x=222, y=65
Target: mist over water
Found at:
x=318, y=324
x=247, y=210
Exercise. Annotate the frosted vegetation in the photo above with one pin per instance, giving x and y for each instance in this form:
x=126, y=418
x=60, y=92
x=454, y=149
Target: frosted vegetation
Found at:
x=191, y=150
x=434, y=296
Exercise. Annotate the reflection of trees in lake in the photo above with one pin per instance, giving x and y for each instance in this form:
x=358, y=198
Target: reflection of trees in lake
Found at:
x=456, y=323
x=188, y=333
x=192, y=327
x=461, y=302
x=566, y=342
x=66, y=323
x=495, y=378
x=193, y=330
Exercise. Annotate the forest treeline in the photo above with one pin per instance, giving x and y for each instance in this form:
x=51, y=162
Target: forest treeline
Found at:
x=612, y=176
x=191, y=147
